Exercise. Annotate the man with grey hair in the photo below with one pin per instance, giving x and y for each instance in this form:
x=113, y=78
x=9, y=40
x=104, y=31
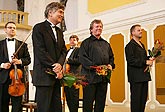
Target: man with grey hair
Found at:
x=49, y=53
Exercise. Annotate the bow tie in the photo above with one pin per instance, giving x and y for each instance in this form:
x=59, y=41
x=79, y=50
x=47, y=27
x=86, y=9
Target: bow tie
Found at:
x=10, y=39
x=54, y=27
x=71, y=47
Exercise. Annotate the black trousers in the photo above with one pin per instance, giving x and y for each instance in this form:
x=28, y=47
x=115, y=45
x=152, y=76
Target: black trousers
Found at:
x=5, y=99
x=72, y=98
x=139, y=93
x=94, y=94
x=48, y=98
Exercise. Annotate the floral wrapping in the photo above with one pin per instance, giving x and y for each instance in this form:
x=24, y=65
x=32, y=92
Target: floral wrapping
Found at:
x=103, y=70
x=70, y=79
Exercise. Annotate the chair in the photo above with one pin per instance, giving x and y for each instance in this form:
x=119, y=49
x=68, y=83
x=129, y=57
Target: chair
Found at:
x=30, y=105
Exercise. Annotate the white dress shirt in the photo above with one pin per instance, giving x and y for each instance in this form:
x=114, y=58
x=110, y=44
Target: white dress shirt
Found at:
x=69, y=53
x=10, y=48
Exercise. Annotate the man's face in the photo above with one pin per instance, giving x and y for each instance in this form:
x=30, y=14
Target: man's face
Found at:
x=11, y=30
x=73, y=42
x=97, y=29
x=137, y=32
x=56, y=16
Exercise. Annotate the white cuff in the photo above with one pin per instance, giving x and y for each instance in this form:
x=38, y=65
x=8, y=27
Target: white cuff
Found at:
x=2, y=65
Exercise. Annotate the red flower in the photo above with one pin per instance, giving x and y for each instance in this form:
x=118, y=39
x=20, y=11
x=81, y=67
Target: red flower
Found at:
x=155, y=52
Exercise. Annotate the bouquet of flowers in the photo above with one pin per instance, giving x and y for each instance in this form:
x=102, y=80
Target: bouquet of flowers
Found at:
x=103, y=70
x=70, y=79
x=155, y=52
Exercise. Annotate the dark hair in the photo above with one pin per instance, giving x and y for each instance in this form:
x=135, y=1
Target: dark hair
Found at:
x=97, y=21
x=53, y=6
x=133, y=28
x=9, y=22
x=74, y=36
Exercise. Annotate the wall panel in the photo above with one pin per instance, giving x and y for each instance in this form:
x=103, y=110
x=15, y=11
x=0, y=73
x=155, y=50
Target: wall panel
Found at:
x=159, y=33
x=117, y=86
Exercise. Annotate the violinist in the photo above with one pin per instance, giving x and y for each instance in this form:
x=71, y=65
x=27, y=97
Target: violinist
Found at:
x=8, y=61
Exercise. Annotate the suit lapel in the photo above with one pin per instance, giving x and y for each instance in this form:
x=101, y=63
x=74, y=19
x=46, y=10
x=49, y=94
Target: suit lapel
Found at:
x=49, y=29
x=16, y=45
x=5, y=49
x=133, y=41
x=58, y=37
x=57, y=34
x=73, y=53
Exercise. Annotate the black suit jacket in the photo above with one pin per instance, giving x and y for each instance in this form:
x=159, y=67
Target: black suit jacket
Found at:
x=73, y=61
x=46, y=52
x=136, y=57
x=23, y=54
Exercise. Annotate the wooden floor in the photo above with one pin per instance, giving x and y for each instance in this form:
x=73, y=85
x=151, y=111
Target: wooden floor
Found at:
x=122, y=109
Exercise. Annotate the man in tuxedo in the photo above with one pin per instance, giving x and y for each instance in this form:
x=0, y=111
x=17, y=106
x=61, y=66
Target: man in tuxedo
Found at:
x=72, y=59
x=9, y=46
x=49, y=53
x=137, y=61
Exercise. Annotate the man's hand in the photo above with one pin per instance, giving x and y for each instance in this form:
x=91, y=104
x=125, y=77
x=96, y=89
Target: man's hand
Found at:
x=59, y=75
x=16, y=61
x=57, y=68
x=6, y=65
x=109, y=67
x=152, y=58
x=149, y=62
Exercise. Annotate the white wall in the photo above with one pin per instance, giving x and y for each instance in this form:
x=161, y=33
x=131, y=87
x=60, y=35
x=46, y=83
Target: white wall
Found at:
x=117, y=19
x=78, y=18
x=8, y=4
x=143, y=8
x=71, y=14
x=36, y=9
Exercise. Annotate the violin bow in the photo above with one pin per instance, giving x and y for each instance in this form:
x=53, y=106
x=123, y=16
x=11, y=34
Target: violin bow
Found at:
x=22, y=43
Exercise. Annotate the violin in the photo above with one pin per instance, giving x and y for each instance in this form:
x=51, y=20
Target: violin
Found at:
x=16, y=88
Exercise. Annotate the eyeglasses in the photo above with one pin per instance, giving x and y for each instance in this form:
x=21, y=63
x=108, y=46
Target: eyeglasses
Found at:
x=11, y=27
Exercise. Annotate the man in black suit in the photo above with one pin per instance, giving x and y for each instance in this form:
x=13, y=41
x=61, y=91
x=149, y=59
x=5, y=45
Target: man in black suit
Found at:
x=72, y=59
x=137, y=61
x=9, y=46
x=95, y=51
x=49, y=52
